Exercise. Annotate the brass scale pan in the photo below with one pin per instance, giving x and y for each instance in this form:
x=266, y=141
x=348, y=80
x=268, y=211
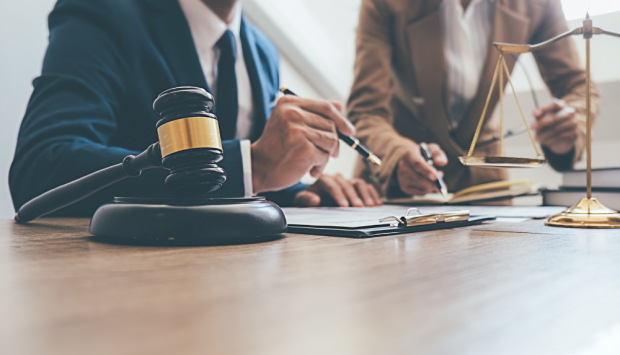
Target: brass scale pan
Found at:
x=502, y=162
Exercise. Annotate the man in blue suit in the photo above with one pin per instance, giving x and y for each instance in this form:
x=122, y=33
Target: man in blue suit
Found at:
x=108, y=60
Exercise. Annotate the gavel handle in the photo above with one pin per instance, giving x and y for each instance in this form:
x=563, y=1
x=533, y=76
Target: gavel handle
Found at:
x=79, y=189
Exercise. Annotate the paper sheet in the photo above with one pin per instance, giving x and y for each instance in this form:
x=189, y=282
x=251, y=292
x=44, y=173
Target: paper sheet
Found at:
x=370, y=216
x=341, y=217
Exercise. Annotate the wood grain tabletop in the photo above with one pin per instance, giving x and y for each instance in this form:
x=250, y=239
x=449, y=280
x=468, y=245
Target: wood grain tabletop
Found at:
x=499, y=288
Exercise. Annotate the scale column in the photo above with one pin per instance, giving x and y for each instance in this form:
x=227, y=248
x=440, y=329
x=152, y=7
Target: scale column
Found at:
x=587, y=34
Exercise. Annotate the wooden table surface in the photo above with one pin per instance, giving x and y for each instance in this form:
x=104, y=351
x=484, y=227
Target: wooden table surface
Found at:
x=501, y=288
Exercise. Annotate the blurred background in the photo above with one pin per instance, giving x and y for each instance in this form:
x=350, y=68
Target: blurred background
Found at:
x=316, y=40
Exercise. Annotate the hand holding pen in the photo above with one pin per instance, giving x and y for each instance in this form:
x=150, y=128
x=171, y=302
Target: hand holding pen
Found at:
x=416, y=175
x=428, y=156
x=299, y=137
x=348, y=139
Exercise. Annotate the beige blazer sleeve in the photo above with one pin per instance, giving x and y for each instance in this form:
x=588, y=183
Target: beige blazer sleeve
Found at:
x=562, y=70
x=369, y=103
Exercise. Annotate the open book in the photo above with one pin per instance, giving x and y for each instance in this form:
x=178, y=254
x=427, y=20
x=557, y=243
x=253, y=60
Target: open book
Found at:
x=491, y=191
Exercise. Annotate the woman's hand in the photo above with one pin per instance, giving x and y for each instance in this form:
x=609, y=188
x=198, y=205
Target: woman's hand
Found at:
x=331, y=190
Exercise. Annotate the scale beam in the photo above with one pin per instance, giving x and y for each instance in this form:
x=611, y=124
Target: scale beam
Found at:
x=526, y=48
x=606, y=32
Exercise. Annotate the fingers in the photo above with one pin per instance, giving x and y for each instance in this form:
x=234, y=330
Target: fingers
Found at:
x=439, y=157
x=554, y=106
x=327, y=142
x=319, y=122
x=295, y=141
x=328, y=110
x=549, y=120
x=415, y=162
x=317, y=157
x=561, y=143
x=362, y=191
x=375, y=195
x=345, y=193
x=412, y=183
x=561, y=147
x=559, y=129
x=310, y=119
x=367, y=192
x=349, y=191
x=413, y=190
x=415, y=176
x=317, y=170
x=568, y=135
x=320, y=131
x=338, y=105
x=307, y=199
x=564, y=128
x=329, y=185
x=416, y=184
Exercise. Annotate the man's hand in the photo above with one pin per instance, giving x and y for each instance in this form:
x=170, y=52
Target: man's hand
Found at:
x=556, y=126
x=299, y=137
x=415, y=177
x=330, y=190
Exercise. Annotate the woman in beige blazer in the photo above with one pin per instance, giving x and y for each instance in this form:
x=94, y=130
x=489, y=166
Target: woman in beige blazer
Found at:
x=416, y=80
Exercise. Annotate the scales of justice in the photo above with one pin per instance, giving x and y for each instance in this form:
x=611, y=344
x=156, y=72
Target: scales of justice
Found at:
x=589, y=212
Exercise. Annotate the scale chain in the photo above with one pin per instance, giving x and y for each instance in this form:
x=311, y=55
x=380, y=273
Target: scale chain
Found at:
x=501, y=63
x=521, y=111
x=501, y=106
x=484, y=111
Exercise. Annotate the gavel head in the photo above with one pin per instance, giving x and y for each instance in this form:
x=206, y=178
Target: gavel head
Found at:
x=190, y=142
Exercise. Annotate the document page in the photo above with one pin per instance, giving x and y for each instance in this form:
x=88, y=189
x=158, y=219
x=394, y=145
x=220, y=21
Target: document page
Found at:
x=350, y=217
x=347, y=217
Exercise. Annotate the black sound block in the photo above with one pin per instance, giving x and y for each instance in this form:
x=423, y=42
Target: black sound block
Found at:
x=188, y=220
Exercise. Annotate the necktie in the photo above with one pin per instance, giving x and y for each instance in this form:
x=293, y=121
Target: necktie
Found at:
x=227, y=102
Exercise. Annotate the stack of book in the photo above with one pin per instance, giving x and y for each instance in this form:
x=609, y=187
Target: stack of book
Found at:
x=605, y=187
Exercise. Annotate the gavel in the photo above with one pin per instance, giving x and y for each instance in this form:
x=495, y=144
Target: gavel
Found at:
x=189, y=147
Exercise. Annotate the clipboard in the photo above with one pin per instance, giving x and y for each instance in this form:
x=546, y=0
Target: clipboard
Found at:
x=412, y=222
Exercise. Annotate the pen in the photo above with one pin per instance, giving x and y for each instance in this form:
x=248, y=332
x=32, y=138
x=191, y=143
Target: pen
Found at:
x=426, y=154
x=350, y=140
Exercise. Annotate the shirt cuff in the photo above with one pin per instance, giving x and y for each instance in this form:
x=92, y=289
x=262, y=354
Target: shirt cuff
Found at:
x=246, y=161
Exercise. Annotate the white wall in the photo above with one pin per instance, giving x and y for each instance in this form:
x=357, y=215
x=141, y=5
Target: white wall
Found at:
x=23, y=39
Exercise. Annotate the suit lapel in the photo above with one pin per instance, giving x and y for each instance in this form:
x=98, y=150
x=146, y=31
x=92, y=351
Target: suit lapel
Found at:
x=509, y=27
x=176, y=43
x=260, y=94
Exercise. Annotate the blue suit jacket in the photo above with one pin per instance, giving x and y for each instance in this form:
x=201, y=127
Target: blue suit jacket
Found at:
x=106, y=62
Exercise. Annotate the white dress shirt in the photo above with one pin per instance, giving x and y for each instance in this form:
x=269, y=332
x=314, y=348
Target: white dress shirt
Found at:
x=466, y=36
x=207, y=28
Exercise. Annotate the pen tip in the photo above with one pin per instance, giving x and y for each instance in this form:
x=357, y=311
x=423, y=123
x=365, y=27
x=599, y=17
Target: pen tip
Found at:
x=375, y=159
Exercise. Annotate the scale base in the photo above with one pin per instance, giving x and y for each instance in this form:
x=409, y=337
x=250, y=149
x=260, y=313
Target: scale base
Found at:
x=502, y=162
x=202, y=221
x=588, y=213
